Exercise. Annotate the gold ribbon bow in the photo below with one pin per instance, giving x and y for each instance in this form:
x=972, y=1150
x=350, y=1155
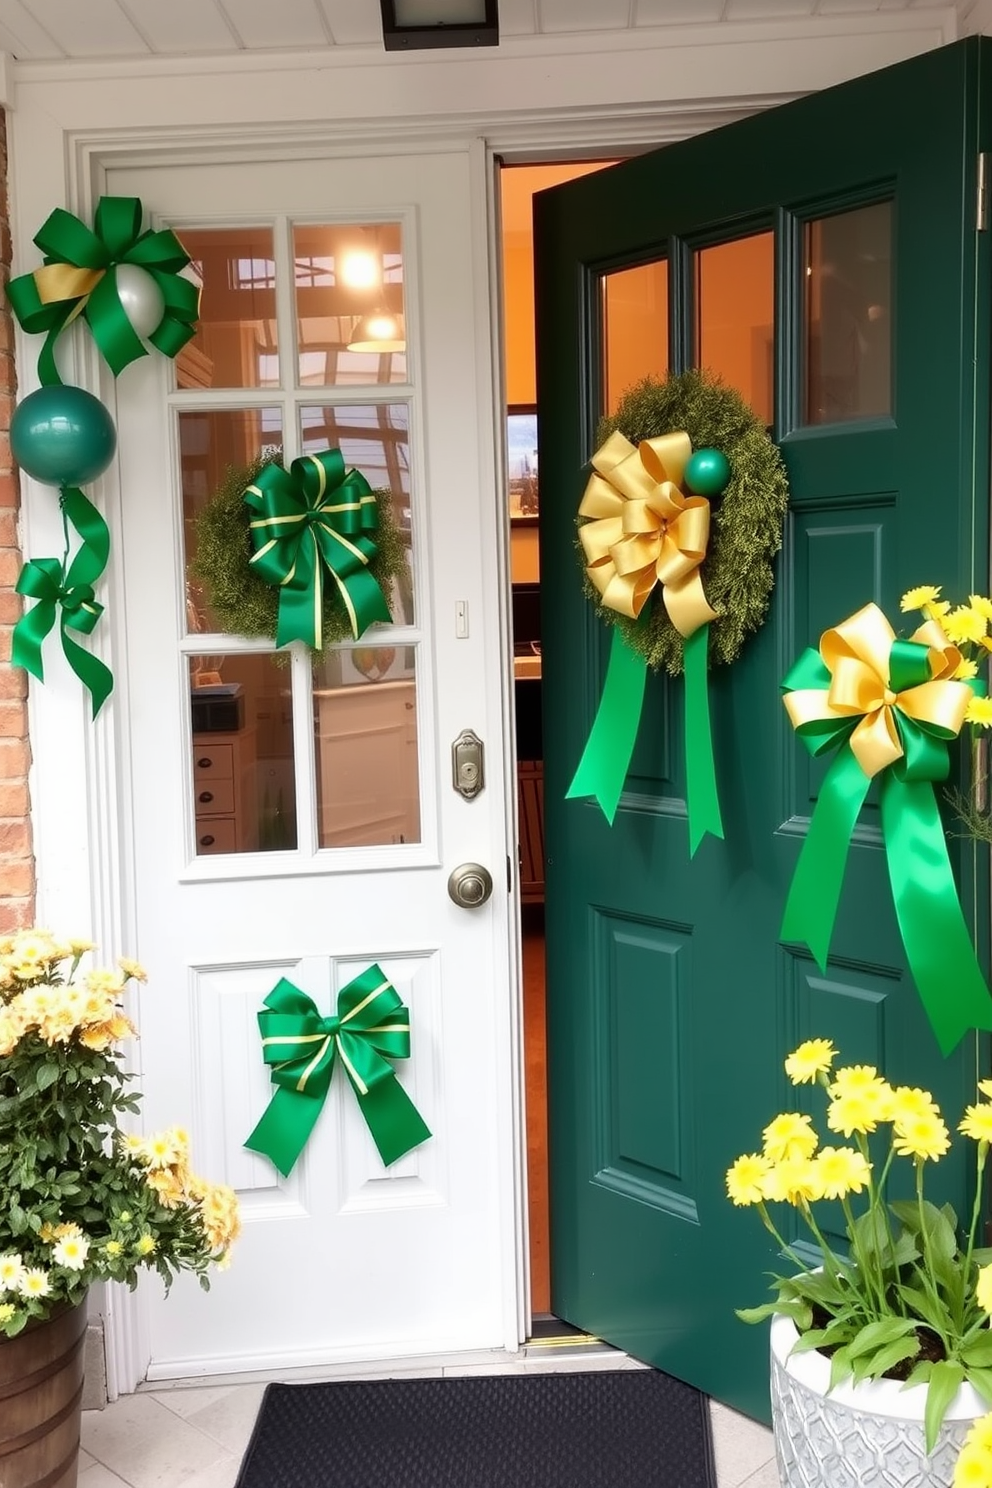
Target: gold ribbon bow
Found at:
x=860, y=658
x=643, y=530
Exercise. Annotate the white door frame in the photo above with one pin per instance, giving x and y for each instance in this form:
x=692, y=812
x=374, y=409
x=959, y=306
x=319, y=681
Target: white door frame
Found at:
x=62, y=144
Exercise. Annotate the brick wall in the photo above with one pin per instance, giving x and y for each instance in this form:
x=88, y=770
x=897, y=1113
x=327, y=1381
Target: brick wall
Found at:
x=17, y=881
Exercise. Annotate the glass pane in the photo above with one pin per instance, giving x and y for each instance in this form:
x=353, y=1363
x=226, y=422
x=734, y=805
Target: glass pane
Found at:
x=244, y=789
x=848, y=331
x=235, y=344
x=365, y=722
x=210, y=444
x=735, y=314
x=375, y=440
x=349, y=305
x=635, y=328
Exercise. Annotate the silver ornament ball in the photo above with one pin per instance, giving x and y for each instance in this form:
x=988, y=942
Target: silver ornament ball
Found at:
x=143, y=301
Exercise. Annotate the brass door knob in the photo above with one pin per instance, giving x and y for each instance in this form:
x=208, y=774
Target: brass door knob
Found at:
x=470, y=885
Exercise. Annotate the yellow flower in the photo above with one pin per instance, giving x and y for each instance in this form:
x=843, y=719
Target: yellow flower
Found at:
x=982, y=604
x=973, y=1468
x=965, y=669
x=909, y=1100
x=7, y=1310
x=964, y=624
x=983, y=1289
x=167, y=1185
x=145, y=1245
x=977, y=1123
x=79, y=947
x=796, y=1180
x=842, y=1170
x=71, y=1252
x=11, y=1271
x=922, y=1137
x=789, y=1135
x=916, y=599
x=936, y=610
x=811, y=1058
x=980, y=711
x=219, y=1212
x=852, y=1113
x=104, y=981
x=985, y=1086
x=10, y=1033
x=165, y=1149
x=131, y=969
x=744, y=1179
x=113, y=1247
x=34, y=1282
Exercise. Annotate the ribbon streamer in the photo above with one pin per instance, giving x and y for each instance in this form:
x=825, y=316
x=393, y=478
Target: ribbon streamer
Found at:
x=310, y=518
x=371, y=1026
x=889, y=708
x=642, y=530
x=78, y=278
x=66, y=594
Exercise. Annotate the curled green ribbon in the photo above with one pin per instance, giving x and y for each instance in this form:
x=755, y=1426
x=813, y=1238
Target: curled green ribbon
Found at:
x=370, y=1027
x=310, y=519
x=78, y=278
x=931, y=922
x=67, y=595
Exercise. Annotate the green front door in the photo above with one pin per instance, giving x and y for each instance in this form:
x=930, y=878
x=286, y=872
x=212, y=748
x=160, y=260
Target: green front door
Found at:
x=672, y=1001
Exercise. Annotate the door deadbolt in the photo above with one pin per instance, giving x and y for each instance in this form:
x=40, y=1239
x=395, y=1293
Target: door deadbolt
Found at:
x=468, y=774
x=470, y=885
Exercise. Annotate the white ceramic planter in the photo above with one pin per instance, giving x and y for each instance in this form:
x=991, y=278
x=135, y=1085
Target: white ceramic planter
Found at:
x=859, y=1436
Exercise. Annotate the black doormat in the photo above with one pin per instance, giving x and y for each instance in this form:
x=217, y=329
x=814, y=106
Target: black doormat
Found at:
x=627, y=1428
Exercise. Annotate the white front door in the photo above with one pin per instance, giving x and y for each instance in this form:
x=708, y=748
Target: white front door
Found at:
x=294, y=814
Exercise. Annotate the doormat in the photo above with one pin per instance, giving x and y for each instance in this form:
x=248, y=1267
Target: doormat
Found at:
x=627, y=1428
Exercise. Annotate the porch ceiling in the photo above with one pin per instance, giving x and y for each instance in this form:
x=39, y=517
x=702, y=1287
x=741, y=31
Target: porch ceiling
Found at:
x=44, y=30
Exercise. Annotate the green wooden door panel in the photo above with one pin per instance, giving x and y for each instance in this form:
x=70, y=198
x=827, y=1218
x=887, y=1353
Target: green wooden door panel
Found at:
x=671, y=1002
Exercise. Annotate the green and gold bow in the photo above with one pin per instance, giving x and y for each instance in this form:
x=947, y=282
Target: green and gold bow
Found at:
x=888, y=707
x=370, y=1027
x=642, y=531
x=78, y=278
x=65, y=590
x=310, y=519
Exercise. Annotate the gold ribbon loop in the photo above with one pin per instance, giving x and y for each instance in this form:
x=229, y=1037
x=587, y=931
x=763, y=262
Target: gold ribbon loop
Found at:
x=643, y=530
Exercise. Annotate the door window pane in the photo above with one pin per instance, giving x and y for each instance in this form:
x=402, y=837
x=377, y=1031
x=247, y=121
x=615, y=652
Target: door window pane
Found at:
x=365, y=726
x=735, y=312
x=848, y=330
x=210, y=443
x=244, y=788
x=235, y=345
x=635, y=328
x=349, y=305
x=375, y=440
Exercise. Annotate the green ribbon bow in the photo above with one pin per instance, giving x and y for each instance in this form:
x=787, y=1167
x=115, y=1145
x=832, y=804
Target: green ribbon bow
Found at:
x=310, y=518
x=66, y=593
x=78, y=278
x=903, y=739
x=301, y=1047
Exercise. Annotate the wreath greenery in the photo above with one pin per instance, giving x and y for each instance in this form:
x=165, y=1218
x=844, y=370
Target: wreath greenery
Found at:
x=244, y=602
x=747, y=519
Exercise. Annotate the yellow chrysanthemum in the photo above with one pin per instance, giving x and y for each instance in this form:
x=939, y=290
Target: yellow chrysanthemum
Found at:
x=922, y=1137
x=744, y=1179
x=167, y=1185
x=983, y=1289
x=11, y=1271
x=113, y=1247
x=910, y=1100
x=982, y=604
x=796, y=1180
x=34, y=1282
x=71, y=1252
x=220, y=1214
x=145, y=1245
x=854, y=1113
x=977, y=1123
x=843, y=1170
x=973, y=1468
x=104, y=980
x=7, y=1310
x=915, y=599
x=812, y=1058
x=132, y=969
x=789, y=1135
x=10, y=1034
x=965, y=669
x=980, y=1432
x=936, y=610
x=964, y=624
x=79, y=947
x=980, y=711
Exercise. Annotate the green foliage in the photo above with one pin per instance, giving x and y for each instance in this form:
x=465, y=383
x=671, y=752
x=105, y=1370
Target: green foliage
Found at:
x=747, y=519
x=243, y=602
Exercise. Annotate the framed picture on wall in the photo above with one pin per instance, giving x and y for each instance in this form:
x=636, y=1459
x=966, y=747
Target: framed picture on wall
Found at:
x=521, y=446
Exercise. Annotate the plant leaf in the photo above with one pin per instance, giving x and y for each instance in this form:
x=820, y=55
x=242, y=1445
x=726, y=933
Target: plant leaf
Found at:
x=873, y=1366
x=979, y=1353
x=945, y=1379
x=982, y=1381
x=876, y=1335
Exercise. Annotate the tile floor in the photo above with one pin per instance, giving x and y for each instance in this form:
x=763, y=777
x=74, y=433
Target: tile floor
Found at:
x=176, y=1437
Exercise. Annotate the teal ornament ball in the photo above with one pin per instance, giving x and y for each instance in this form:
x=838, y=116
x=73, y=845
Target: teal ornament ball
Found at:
x=707, y=472
x=62, y=436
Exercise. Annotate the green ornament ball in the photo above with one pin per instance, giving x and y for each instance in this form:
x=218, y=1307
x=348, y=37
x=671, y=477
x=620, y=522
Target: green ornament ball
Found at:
x=62, y=436
x=707, y=472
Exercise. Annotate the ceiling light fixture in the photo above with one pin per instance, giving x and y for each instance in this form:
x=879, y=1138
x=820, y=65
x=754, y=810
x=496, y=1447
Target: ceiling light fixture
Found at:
x=379, y=332
x=408, y=25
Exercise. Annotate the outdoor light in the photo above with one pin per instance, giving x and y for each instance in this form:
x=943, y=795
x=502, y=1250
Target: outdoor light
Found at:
x=409, y=24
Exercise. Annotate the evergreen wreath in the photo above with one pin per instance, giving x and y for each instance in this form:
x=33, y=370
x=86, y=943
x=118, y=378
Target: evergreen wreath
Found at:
x=240, y=598
x=747, y=519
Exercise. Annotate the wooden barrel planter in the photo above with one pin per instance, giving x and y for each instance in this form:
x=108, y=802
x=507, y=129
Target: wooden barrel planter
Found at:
x=41, y=1392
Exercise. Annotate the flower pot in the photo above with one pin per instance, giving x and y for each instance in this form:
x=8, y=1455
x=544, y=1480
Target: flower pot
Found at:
x=41, y=1392
x=868, y=1435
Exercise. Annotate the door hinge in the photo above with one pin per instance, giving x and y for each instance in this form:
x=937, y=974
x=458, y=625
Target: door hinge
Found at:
x=982, y=206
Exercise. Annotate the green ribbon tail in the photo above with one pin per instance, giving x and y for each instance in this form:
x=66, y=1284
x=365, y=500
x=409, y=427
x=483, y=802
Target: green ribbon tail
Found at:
x=814, y=895
x=938, y=945
x=606, y=758
x=94, y=674
x=701, y=790
x=285, y=1127
x=395, y=1124
x=94, y=536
